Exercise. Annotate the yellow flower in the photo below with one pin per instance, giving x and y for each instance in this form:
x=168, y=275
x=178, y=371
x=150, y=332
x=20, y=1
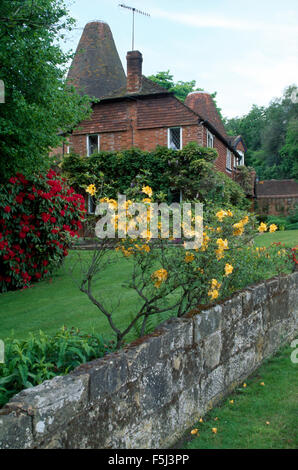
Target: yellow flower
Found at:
x=201, y=420
x=238, y=228
x=273, y=228
x=219, y=229
x=244, y=385
x=232, y=402
x=262, y=227
x=245, y=220
x=214, y=430
x=194, y=431
x=215, y=284
x=229, y=213
x=221, y=214
x=91, y=189
x=189, y=257
x=147, y=190
x=228, y=269
x=213, y=294
x=147, y=199
x=159, y=277
x=222, y=244
x=262, y=383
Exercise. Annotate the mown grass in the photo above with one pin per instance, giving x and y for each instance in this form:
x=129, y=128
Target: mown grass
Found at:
x=58, y=301
x=261, y=417
x=50, y=304
x=288, y=237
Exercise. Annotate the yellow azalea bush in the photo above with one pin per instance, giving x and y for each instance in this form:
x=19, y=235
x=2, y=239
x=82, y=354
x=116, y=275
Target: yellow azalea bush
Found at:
x=169, y=280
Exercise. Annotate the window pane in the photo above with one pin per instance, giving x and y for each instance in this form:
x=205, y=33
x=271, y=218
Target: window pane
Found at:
x=92, y=144
x=175, y=141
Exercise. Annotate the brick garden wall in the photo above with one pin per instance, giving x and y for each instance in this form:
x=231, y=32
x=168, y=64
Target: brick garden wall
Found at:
x=147, y=395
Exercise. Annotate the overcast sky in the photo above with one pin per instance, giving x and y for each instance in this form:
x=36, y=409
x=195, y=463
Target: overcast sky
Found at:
x=246, y=50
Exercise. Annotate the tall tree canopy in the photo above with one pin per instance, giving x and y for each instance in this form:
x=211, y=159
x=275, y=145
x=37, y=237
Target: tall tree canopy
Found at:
x=39, y=106
x=271, y=136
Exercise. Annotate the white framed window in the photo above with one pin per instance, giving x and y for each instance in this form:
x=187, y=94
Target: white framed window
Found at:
x=241, y=162
x=91, y=205
x=175, y=138
x=210, y=139
x=93, y=144
x=229, y=160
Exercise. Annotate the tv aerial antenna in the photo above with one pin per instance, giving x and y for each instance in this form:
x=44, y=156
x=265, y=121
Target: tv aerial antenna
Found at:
x=134, y=10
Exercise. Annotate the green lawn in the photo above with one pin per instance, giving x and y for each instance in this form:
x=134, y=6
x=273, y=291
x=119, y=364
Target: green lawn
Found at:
x=53, y=303
x=261, y=417
x=288, y=237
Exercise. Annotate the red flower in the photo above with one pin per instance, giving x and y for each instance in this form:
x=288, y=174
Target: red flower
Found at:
x=7, y=209
x=19, y=199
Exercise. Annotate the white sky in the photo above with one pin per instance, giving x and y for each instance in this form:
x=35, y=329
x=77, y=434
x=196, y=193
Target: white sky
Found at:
x=246, y=50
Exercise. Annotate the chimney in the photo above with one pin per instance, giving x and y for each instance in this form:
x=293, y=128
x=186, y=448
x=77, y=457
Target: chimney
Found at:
x=134, y=71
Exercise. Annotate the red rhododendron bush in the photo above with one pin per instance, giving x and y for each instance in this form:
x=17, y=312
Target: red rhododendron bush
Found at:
x=38, y=218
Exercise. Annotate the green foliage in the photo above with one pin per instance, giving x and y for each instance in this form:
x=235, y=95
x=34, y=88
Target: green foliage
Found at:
x=285, y=223
x=270, y=135
x=42, y=357
x=38, y=103
x=173, y=280
x=190, y=170
x=39, y=217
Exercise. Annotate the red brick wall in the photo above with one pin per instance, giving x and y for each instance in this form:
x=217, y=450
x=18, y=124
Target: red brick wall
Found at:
x=143, y=123
x=221, y=161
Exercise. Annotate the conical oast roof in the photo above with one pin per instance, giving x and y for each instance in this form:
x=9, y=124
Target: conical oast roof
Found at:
x=96, y=69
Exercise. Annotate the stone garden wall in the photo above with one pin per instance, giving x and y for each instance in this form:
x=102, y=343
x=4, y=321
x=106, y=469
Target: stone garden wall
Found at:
x=150, y=393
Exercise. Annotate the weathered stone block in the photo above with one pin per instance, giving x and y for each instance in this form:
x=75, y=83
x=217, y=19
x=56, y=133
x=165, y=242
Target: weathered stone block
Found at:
x=272, y=286
x=207, y=322
x=108, y=376
x=278, y=306
x=212, y=350
x=156, y=388
x=247, y=332
x=178, y=335
x=212, y=385
x=240, y=365
x=53, y=403
x=231, y=312
x=15, y=431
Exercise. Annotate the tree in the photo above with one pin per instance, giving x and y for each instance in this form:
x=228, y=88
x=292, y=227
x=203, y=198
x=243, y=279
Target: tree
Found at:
x=39, y=106
x=270, y=136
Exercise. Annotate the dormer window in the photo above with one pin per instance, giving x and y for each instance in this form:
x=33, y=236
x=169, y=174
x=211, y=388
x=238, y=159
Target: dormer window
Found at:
x=92, y=144
x=210, y=140
x=241, y=162
x=175, y=138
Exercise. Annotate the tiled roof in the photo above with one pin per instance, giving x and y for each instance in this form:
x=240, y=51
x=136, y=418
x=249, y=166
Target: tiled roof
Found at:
x=275, y=188
x=148, y=88
x=96, y=69
x=203, y=104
